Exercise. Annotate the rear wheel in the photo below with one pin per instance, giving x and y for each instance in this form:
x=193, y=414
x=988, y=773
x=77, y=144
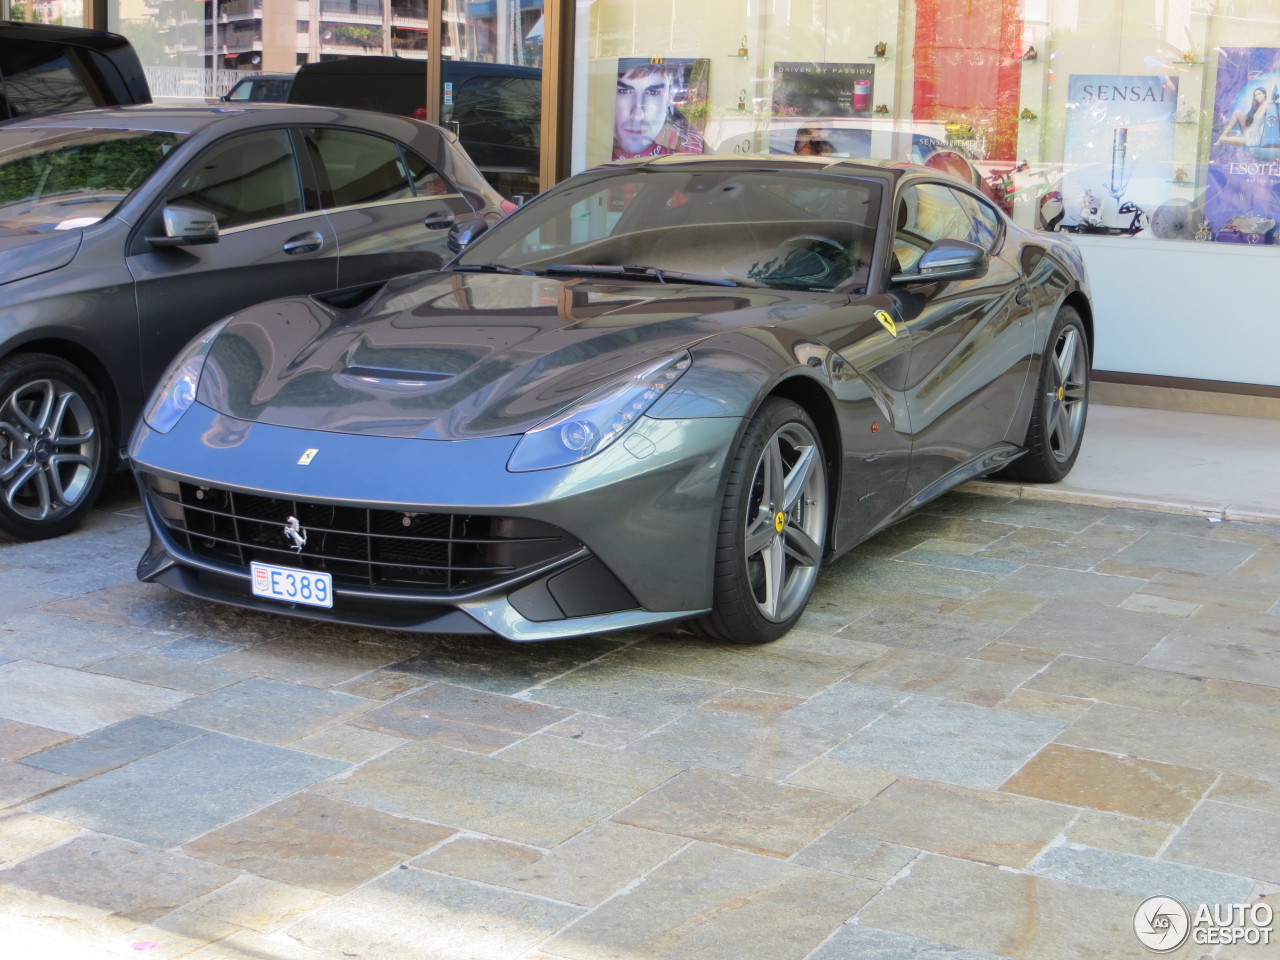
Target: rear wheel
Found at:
x=1061, y=405
x=772, y=527
x=53, y=446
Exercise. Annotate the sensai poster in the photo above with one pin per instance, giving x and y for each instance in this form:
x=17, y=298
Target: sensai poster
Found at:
x=1118, y=155
x=1242, y=198
x=660, y=107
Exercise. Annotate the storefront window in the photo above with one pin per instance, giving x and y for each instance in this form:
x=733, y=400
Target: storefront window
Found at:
x=1156, y=122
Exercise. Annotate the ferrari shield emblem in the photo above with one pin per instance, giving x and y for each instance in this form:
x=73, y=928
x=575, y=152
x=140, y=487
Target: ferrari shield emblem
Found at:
x=887, y=321
x=307, y=456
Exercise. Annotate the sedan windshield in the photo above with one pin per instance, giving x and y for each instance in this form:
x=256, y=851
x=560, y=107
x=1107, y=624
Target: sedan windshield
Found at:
x=57, y=179
x=789, y=230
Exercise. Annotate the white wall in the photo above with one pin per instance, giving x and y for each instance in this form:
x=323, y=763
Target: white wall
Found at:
x=1207, y=311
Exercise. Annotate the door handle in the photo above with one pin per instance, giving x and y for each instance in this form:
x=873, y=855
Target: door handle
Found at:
x=303, y=243
x=439, y=220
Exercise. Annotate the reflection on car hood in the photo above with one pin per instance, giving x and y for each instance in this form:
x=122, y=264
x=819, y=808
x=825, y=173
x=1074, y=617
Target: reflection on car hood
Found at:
x=25, y=255
x=455, y=356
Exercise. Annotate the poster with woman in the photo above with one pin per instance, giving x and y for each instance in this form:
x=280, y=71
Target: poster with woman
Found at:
x=660, y=107
x=1242, y=198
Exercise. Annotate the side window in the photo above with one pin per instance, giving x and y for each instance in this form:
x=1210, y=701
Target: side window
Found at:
x=927, y=213
x=426, y=181
x=37, y=82
x=360, y=168
x=243, y=180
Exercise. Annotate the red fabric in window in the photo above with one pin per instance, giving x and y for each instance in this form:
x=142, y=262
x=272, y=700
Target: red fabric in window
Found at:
x=968, y=67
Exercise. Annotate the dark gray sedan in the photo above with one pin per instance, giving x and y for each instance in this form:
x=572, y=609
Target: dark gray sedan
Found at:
x=663, y=391
x=124, y=232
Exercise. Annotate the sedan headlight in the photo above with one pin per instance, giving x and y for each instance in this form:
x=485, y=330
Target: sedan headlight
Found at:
x=598, y=419
x=177, y=391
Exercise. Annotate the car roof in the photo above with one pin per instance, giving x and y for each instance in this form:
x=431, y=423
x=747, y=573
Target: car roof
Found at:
x=194, y=118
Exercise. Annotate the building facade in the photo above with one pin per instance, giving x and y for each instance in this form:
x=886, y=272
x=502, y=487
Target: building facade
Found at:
x=1150, y=131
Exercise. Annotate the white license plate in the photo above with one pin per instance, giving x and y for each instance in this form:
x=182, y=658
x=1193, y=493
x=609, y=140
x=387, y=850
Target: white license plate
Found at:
x=291, y=584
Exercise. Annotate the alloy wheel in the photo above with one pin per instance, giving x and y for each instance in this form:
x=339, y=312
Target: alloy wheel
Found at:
x=49, y=450
x=1067, y=392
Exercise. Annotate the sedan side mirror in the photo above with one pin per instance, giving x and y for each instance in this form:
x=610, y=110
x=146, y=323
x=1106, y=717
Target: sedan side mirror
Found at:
x=463, y=234
x=184, y=226
x=948, y=259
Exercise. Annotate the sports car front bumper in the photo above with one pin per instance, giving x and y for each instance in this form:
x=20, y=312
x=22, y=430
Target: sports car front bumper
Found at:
x=639, y=522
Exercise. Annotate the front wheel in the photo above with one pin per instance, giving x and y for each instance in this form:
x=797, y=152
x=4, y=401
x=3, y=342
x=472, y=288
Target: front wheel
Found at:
x=1061, y=405
x=53, y=446
x=773, y=527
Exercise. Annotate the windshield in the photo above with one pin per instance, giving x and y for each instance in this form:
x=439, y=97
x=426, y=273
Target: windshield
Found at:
x=56, y=179
x=801, y=230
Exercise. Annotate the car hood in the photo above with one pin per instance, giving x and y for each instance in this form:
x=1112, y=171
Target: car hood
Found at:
x=456, y=356
x=25, y=255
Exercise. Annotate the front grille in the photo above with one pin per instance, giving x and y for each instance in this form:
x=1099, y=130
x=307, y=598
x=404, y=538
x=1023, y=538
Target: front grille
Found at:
x=438, y=553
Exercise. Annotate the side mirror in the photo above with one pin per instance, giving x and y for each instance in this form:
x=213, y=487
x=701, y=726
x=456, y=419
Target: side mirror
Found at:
x=948, y=260
x=463, y=234
x=184, y=226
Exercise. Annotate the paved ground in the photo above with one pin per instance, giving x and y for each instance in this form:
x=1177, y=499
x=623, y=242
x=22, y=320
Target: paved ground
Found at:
x=1003, y=724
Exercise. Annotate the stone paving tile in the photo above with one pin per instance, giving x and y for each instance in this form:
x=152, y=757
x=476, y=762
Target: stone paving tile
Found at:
x=716, y=904
x=1240, y=626
x=1172, y=551
x=479, y=858
x=842, y=779
x=841, y=586
x=580, y=758
x=151, y=606
x=502, y=667
x=1071, y=517
x=1140, y=876
x=591, y=867
x=268, y=710
x=1000, y=606
x=857, y=942
x=414, y=915
x=22, y=834
x=759, y=816
x=1050, y=548
x=18, y=740
x=792, y=672
x=195, y=649
x=19, y=782
x=73, y=701
x=1169, y=738
x=1015, y=654
x=931, y=633
x=103, y=886
x=958, y=561
x=1227, y=593
x=314, y=842
x=1097, y=630
x=1073, y=585
x=152, y=801
x=1104, y=781
x=113, y=746
x=992, y=910
x=971, y=824
x=1230, y=839
x=50, y=639
x=1112, y=831
x=841, y=850
x=762, y=735
x=955, y=742
x=601, y=731
x=251, y=945
x=922, y=527
x=176, y=934
x=1045, y=704
x=183, y=675
x=312, y=662
x=1247, y=792
x=385, y=684
x=1145, y=603
x=615, y=690
x=982, y=682
x=1220, y=659
x=347, y=742
x=485, y=794
x=906, y=670
x=1106, y=680
x=460, y=717
x=258, y=904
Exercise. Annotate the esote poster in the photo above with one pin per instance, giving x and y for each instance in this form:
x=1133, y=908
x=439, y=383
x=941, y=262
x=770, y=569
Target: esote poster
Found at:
x=1242, y=198
x=660, y=107
x=1118, y=153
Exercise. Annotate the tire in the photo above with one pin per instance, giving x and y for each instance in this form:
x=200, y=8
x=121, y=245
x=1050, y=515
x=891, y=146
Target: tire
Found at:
x=1061, y=405
x=771, y=539
x=54, y=446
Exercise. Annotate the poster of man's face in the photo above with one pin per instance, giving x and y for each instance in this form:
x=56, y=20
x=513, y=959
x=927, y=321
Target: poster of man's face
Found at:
x=650, y=117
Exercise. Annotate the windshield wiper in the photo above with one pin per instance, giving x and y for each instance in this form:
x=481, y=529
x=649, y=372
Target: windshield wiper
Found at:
x=629, y=272
x=491, y=268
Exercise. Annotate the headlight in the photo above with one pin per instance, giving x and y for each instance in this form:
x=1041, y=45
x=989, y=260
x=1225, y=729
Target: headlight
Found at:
x=177, y=391
x=598, y=419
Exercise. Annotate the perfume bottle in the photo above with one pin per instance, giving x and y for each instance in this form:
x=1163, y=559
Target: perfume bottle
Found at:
x=1271, y=121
